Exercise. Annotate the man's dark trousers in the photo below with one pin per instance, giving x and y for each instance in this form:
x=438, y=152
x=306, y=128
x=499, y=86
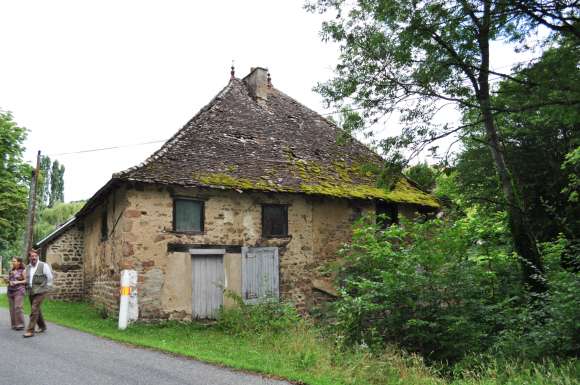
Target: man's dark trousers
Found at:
x=36, y=313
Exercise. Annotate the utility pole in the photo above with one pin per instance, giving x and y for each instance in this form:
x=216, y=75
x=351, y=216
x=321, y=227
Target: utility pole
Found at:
x=31, y=210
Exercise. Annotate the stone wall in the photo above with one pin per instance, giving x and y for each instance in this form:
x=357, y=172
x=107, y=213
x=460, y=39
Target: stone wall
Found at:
x=141, y=237
x=104, y=254
x=68, y=285
x=317, y=228
x=332, y=228
x=65, y=255
x=104, y=293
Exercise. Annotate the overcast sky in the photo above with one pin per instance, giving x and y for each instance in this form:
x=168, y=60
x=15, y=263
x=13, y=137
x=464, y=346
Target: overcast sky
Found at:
x=91, y=74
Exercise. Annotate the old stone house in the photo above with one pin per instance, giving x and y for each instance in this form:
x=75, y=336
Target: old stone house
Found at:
x=255, y=194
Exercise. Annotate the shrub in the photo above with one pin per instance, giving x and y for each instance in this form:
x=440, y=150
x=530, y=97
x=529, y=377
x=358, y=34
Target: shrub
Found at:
x=545, y=326
x=448, y=289
x=419, y=285
x=267, y=317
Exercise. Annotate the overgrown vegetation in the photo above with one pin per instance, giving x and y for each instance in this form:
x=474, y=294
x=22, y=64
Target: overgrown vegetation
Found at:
x=495, y=279
x=269, y=316
x=300, y=352
x=451, y=289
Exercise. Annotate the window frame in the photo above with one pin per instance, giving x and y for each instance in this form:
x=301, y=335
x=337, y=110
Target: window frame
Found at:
x=285, y=213
x=201, y=219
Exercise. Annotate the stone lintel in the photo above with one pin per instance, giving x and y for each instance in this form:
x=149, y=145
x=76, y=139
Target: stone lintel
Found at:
x=186, y=247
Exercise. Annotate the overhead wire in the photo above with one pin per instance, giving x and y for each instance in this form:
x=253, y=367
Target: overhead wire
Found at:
x=107, y=148
x=324, y=114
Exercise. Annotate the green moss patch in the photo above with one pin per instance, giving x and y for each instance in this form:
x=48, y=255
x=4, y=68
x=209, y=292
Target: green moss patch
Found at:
x=336, y=180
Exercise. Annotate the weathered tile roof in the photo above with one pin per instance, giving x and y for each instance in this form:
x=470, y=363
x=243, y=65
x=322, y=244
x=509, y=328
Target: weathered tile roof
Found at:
x=277, y=144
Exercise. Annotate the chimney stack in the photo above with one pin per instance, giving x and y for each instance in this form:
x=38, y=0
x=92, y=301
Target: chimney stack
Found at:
x=258, y=82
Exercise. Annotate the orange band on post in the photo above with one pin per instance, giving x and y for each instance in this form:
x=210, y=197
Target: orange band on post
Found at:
x=125, y=290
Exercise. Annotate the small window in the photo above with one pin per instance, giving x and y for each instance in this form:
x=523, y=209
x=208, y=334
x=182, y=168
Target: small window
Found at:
x=187, y=215
x=104, y=225
x=387, y=214
x=274, y=221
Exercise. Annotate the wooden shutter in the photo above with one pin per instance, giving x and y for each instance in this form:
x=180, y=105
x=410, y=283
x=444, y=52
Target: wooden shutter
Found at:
x=187, y=215
x=260, y=279
x=208, y=281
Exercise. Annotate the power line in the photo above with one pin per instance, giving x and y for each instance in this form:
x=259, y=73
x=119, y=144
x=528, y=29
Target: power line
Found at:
x=108, y=148
x=491, y=80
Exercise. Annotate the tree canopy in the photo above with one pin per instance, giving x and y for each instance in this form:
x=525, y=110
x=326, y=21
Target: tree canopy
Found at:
x=415, y=56
x=14, y=175
x=50, y=218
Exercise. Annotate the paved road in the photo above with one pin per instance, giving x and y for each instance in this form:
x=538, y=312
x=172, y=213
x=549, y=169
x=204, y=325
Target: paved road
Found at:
x=68, y=357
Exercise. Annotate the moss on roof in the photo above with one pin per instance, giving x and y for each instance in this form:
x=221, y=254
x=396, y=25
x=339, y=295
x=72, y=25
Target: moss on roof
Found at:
x=276, y=145
x=402, y=192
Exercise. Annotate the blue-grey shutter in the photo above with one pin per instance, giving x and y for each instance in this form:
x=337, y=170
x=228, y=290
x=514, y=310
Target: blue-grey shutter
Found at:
x=260, y=278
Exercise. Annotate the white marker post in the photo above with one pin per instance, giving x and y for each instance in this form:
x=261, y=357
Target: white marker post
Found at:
x=128, y=285
x=133, y=303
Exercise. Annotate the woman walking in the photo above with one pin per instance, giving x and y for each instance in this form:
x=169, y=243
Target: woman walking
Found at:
x=16, y=291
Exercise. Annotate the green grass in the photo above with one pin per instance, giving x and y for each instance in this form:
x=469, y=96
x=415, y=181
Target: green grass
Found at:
x=300, y=355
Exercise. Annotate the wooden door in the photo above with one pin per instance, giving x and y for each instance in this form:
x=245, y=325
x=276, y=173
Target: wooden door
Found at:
x=208, y=282
x=260, y=277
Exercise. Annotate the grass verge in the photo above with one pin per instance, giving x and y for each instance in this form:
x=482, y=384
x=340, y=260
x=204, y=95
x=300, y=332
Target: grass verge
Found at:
x=299, y=355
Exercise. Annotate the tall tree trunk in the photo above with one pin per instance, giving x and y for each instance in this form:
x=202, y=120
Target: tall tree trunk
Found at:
x=523, y=238
x=524, y=241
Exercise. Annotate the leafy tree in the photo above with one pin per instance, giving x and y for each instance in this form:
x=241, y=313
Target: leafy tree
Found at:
x=422, y=174
x=56, y=184
x=52, y=217
x=535, y=143
x=561, y=16
x=43, y=191
x=572, y=167
x=14, y=175
x=411, y=56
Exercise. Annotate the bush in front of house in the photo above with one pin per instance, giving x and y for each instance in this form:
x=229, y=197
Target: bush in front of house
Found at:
x=448, y=290
x=269, y=316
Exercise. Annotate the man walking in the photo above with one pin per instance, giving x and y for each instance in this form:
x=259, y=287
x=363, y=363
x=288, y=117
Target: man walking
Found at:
x=39, y=282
